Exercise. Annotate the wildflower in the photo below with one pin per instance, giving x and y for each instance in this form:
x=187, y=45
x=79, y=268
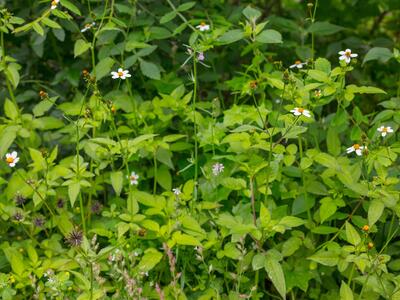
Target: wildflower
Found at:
x=43, y=94
x=217, y=168
x=18, y=216
x=318, y=93
x=356, y=148
x=88, y=26
x=200, y=56
x=134, y=178
x=176, y=191
x=38, y=221
x=298, y=64
x=253, y=84
x=60, y=203
x=365, y=228
x=298, y=111
x=203, y=26
x=12, y=158
x=121, y=73
x=347, y=55
x=75, y=237
x=19, y=199
x=54, y=4
x=385, y=130
x=96, y=207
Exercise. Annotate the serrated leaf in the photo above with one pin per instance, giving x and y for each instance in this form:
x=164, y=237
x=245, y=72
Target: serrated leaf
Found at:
x=275, y=273
x=231, y=36
x=117, y=179
x=269, y=36
x=345, y=292
x=81, y=47
x=378, y=53
x=168, y=17
x=150, y=69
x=352, y=235
x=375, y=211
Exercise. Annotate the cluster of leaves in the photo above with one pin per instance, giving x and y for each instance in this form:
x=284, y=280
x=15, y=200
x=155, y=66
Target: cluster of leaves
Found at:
x=219, y=169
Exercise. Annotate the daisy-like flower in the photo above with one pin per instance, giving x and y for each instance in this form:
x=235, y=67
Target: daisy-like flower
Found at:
x=346, y=55
x=121, y=73
x=134, y=178
x=385, y=130
x=297, y=64
x=356, y=148
x=88, y=26
x=54, y=4
x=12, y=159
x=217, y=168
x=176, y=191
x=203, y=26
x=298, y=111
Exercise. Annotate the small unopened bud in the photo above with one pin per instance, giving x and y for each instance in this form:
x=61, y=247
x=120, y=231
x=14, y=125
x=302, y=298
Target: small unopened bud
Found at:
x=43, y=94
x=365, y=228
x=370, y=245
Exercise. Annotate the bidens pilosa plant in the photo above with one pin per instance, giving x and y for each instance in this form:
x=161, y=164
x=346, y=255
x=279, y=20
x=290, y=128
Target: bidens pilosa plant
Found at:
x=199, y=149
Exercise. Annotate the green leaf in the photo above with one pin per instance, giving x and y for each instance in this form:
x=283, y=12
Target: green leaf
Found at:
x=275, y=273
x=186, y=6
x=326, y=258
x=51, y=23
x=10, y=109
x=73, y=191
x=265, y=216
x=168, y=17
x=15, y=259
x=164, y=177
x=103, y=67
x=13, y=74
x=378, y=53
x=231, y=36
x=234, y=183
x=375, y=211
x=36, y=26
x=345, y=292
x=258, y=261
x=149, y=260
x=7, y=137
x=67, y=4
x=43, y=106
x=327, y=209
x=333, y=141
x=81, y=47
x=117, y=179
x=132, y=204
x=269, y=36
x=352, y=235
x=324, y=28
x=150, y=69
x=185, y=239
x=290, y=221
x=318, y=75
x=251, y=14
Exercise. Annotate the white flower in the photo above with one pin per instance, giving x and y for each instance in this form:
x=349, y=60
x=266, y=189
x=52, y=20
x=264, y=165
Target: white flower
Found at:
x=54, y=4
x=88, y=26
x=176, y=191
x=203, y=26
x=12, y=158
x=346, y=55
x=297, y=64
x=217, y=168
x=357, y=148
x=385, y=130
x=134, y=178
x=123, y=74
x=298, y=111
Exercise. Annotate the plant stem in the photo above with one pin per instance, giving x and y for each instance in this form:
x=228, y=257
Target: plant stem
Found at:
x=195, y=129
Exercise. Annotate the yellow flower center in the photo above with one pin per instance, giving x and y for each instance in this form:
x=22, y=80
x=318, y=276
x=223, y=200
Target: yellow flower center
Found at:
x=133, y=177
x=203, y=24
x=88, y=25
x=300, y=110
x=356, y=146
x=120, y=74
x=54, y=3
x=384, y=129
x=297, y=62
x=9, y=160
x=348, y=53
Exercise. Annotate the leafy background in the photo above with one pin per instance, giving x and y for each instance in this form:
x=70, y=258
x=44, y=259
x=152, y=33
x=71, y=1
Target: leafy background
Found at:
x=291, y=215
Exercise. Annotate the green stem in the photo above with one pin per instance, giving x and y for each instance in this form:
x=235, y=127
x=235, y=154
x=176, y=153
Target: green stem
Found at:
x=195, y=129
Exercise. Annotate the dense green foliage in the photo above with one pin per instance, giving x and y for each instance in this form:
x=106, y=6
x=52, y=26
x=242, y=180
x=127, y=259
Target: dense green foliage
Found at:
x=213, y=149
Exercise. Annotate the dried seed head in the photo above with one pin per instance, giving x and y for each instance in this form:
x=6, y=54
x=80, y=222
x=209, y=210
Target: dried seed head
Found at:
x=75, y=237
